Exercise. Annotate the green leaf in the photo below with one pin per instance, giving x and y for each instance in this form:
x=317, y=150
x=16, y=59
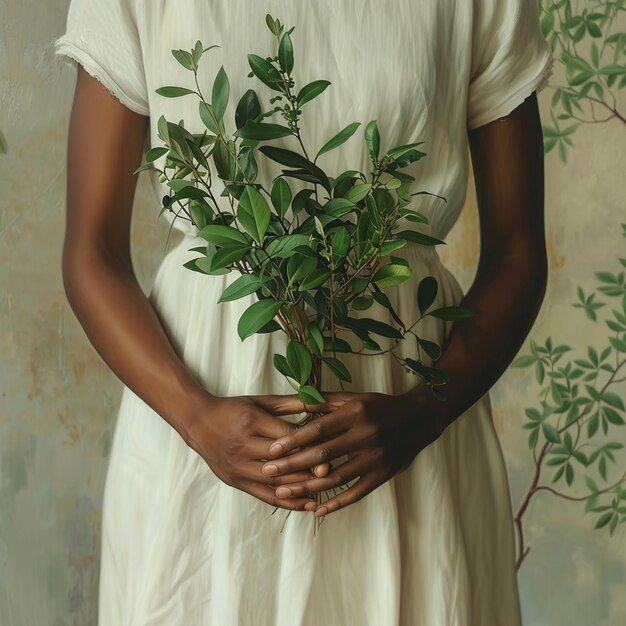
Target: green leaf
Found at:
x=338, y=207
x=248, y=108
x=280, y=363
x=242, y=286
x=286, y=157
x=173, y=92
x=421, y=238
x=220, y=93
x=191, y=265
x=391, y=274
x=271, y=327
x=338, y=345
x=426, y=293
x=604, y=519
x=222, y=235
x=569, y=474
x=163, y=129
x=299, y=268
x=285, y=53
x=310, y=395
x=340, y=243
x=208, y=117
x=451, y=313
x=155, y=153
x=269, y=20
x=613, y=399
x=613, y=416
x=372, y=138
x=403, y=148
x=310, y=91
x=405, y=159
x=227, y=255
x=362, y=303
x=337, y=368
x=357, y=192
x=257, y=315
x=281, y=196
x=260, y=131
x=315, y=279
x=315, y=340
x=391, y=246
x=205, y=265
x=184, y=58
x=431, y=348
x=254, y=213
x=265, y=72
x=284, y=247
x=341, y=137
x=299, y=360
x=550, y=433
x=364, y=325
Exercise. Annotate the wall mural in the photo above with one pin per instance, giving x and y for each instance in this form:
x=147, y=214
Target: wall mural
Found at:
x=574, y=429
x=559, y=410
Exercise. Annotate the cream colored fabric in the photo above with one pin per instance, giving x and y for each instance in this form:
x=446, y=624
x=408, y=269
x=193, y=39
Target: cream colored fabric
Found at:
x=432, y=547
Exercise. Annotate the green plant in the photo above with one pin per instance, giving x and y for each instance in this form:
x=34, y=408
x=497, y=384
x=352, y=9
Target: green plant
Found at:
x=594, y=59
x=312, y=258
x=578, y=426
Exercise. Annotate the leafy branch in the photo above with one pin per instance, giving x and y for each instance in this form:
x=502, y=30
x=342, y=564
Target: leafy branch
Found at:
x=573, y=431
x=594, y=58
x=316, y=260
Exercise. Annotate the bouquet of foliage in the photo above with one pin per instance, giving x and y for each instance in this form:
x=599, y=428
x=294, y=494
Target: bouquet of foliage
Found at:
x=312, y=258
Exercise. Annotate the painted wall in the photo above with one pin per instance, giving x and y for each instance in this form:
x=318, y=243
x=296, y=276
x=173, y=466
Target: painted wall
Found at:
x=59, y=398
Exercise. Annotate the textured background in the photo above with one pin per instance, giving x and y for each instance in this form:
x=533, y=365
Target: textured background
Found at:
x=59, y=399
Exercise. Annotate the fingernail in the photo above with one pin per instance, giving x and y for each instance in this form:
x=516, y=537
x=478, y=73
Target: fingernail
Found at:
x=276, y=448
x=321, y=511
x=283, y=492
x=310, y=506
x=270, y=469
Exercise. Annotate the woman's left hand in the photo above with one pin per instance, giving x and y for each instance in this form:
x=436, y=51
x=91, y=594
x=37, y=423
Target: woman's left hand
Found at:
x=381, y=434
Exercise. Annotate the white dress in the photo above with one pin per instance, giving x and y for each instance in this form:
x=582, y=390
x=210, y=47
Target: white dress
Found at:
x=434, y=546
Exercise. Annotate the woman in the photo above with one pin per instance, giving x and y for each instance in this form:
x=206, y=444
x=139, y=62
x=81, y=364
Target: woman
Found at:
x=423, y=536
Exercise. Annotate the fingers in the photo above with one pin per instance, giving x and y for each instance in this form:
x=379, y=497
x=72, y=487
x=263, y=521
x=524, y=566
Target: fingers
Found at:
x=311, y=433
x=252, y=471
x=309, y=457
x=366, y=484
x=269, y=426
x=257, y=449
x=340, y=475
x=321, y=470
x=267, y=495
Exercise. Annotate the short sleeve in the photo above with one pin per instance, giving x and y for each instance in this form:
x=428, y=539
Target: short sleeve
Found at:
x=510, y=58
x=102, y=36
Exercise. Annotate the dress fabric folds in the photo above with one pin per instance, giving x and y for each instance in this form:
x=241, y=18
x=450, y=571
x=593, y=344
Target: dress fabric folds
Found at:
x=434, y=546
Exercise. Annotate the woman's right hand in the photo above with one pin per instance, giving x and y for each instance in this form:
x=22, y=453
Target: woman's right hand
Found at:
x=233, y=435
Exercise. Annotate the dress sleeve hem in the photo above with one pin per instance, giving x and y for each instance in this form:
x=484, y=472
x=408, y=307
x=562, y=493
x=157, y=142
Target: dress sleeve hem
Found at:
x=506, y=106
x=72, y=54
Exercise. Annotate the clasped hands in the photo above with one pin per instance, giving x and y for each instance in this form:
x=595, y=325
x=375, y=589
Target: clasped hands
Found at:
x=248, y=446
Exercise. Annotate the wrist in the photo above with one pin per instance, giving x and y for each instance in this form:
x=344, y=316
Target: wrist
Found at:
x=428, y=410
x=195, y=404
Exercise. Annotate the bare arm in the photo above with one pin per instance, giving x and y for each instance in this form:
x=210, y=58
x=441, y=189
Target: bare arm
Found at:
x=510, y=282
x=382, y=433
x=105, y=146
x=231, y=434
